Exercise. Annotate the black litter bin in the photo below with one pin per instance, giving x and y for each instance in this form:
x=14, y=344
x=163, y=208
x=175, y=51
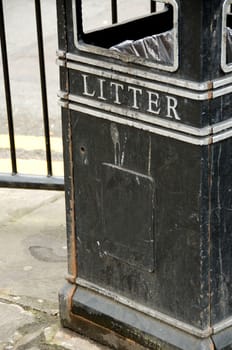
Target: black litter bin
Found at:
x=147, y=129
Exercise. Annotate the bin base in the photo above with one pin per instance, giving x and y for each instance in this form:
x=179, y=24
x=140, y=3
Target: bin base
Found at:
x=123, y=328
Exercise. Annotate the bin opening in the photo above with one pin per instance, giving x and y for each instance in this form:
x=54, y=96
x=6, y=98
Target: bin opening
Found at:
x=150, y=37
x=158, y=47
x=229, y=38
x=149, y=25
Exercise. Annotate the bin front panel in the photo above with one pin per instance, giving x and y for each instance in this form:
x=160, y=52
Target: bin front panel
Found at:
x=142, y=239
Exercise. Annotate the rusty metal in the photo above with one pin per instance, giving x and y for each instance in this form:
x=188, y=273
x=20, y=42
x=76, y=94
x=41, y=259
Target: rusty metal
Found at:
x=72, y=256
x=121, y=342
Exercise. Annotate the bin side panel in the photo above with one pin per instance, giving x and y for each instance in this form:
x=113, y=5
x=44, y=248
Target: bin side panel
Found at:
x=200, y=23
x=211, y=54
x=220, y=109
x=221, y=231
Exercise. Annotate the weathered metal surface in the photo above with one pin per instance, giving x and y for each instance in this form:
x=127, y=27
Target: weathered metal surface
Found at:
x=148, y=186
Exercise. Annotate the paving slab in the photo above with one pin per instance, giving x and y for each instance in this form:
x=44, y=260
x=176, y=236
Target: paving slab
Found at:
x=33, y=265
x=8, y=328
x=31, y=330
x=32, y=244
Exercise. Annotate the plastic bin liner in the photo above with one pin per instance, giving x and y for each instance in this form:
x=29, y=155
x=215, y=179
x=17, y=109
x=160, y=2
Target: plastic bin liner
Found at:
x=229, y=45
x=158, y=47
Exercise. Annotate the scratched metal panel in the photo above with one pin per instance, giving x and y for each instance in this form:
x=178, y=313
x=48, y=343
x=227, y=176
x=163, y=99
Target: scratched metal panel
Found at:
x=221, y=231
x=128, y=215
x=178, y=245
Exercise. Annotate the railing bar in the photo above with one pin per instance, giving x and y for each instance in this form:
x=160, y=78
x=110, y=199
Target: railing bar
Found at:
x=7, y=90
x=43, y=85
x=153, y=6
x=114, y=9
x=32, y=182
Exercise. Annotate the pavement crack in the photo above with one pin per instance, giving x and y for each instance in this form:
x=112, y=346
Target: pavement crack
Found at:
x=48, y=309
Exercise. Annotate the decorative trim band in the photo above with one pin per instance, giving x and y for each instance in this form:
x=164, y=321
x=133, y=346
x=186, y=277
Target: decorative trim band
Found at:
x=139, y=82
x=207, y=86
x=160, y=126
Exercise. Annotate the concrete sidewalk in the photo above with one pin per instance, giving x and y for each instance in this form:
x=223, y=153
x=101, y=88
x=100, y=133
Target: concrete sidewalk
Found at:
x=32, y=271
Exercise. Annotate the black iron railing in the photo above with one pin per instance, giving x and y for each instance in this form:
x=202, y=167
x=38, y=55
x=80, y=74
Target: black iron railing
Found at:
x=14, y=179
x=43, y=86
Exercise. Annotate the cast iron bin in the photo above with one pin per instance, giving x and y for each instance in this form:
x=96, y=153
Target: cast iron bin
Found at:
x=147, y=130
